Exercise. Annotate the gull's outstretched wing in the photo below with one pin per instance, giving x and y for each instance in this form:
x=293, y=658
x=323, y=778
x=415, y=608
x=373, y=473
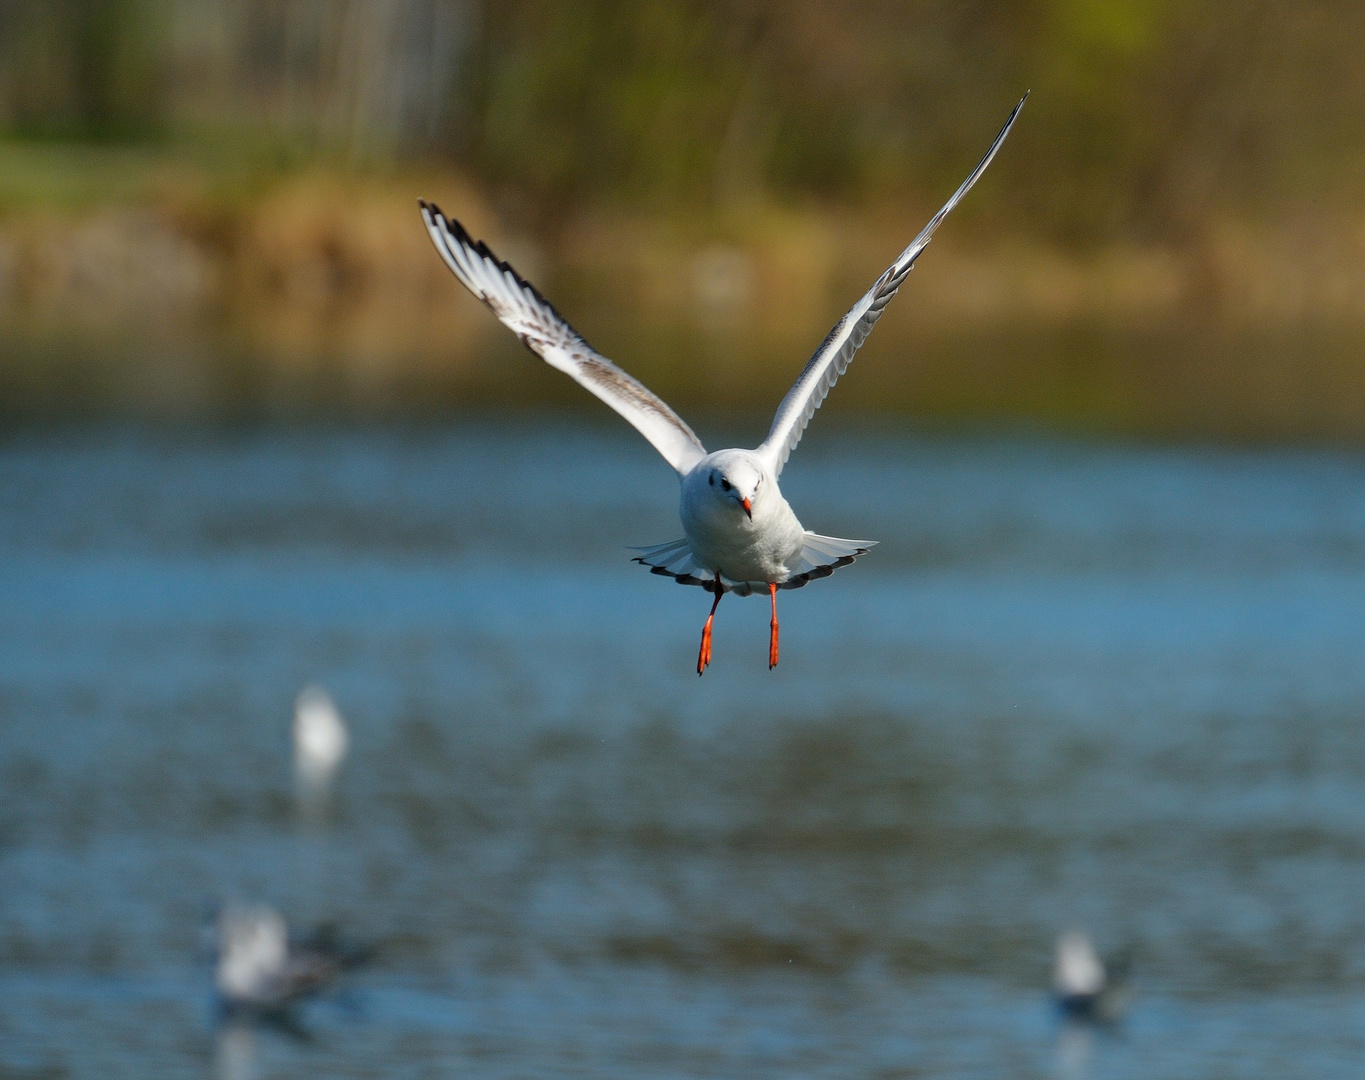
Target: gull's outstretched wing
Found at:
x=836, y=351
x=543, y=330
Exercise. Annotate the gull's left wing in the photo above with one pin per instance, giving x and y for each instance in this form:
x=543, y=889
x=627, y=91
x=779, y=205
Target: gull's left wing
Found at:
x=835, y=353
x=544, y=331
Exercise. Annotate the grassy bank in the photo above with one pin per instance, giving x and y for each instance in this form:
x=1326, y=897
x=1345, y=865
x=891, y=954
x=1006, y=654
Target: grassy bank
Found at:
x=152, y=283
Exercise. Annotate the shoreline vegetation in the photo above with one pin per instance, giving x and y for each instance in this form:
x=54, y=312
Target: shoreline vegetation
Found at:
x=319, y=291
x=209, y=207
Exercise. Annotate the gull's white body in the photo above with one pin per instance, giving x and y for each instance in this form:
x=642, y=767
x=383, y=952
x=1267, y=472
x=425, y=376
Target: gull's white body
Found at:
x=727, y=546
x=758, y=547
x=742, y=550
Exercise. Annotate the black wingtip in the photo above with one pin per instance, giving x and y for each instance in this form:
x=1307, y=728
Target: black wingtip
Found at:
x=452, y=228
x=461, y=234
x=999, y=139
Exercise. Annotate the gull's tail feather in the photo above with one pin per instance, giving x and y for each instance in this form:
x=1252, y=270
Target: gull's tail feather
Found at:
x=820, y=556
x=674, y=560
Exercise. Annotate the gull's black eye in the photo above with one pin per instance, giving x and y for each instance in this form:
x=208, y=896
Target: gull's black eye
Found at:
x=725, y=484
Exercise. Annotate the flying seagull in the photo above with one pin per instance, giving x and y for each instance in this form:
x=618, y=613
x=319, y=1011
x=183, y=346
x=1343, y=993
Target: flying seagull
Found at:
x=739, y=533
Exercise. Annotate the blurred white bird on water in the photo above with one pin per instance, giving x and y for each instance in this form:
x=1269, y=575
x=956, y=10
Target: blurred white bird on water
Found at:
x=257, y=972
x=1084, y=989
x=320, y=744
x=261, y=972
x=1090, y=998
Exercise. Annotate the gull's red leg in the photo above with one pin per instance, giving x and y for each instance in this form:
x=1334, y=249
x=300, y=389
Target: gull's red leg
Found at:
x=704, y=656
x=772, y=628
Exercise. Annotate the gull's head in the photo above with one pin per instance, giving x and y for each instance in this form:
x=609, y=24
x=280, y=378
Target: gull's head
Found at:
x=735, y=478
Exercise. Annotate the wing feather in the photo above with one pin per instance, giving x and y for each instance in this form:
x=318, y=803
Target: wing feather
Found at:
x=521, y=308
x=835, y=353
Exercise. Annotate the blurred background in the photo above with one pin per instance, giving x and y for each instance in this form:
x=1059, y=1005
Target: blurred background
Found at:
x=1103, y=671
x=207, y=207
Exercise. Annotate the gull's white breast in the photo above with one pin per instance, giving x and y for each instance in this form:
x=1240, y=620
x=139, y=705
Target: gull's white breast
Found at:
x=723, y=538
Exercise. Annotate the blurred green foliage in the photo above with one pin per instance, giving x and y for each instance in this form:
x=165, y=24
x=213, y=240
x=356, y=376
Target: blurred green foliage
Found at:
x=81, y=69
x=1148, y=116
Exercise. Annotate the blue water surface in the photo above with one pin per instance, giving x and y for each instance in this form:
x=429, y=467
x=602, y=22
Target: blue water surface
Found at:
x=1077, y=684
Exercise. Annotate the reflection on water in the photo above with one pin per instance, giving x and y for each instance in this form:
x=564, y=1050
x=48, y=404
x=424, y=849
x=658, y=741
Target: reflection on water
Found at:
x=1075, y=1049
x=235, y=1052
x=1105, y=686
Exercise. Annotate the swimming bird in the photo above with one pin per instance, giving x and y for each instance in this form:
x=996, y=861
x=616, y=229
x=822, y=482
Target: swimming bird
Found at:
x=1083, y=988
x=262, y=972
x=740, y=535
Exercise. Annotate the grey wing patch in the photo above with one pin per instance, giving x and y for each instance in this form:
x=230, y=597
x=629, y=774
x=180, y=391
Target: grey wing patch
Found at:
x=611, y=378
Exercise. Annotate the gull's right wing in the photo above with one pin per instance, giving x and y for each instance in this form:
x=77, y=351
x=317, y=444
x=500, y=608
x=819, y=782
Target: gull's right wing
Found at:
x=836, y=351
x=543, y=330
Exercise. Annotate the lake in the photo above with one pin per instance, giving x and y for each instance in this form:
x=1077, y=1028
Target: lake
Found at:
x=1097, y=684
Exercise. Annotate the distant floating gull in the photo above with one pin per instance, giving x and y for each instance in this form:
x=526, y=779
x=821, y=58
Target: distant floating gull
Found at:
x=256, y=969
x=1083, y=988
x=260, y=971
x=740, y=533
x=320, y=740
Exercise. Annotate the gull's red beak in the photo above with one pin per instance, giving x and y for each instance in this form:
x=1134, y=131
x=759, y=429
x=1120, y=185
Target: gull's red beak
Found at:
x=748, y=508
